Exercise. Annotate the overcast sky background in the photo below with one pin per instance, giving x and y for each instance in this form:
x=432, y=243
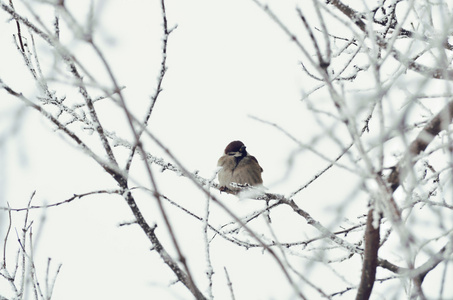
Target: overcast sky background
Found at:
x=227, y=62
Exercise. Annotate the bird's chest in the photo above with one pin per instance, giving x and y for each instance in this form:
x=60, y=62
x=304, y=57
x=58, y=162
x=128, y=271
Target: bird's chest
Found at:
x=237, y=161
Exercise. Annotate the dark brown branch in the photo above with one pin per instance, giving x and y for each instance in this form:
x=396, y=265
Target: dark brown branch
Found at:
x=19, y=34
x=27, y=23
x=322, y=63
x=437, y=124
x=433, y=128
x=370, y=258
x=350, y=13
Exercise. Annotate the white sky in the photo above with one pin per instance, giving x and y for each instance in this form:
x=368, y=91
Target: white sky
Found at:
x=227, y=61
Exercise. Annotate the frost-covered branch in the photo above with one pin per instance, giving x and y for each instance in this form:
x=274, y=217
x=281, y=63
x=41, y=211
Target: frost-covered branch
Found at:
x=24, y=275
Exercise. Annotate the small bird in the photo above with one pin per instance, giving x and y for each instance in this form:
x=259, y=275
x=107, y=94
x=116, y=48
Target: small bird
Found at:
x=238, y=166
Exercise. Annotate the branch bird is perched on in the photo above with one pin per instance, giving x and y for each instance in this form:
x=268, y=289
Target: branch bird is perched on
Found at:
x=239, y=167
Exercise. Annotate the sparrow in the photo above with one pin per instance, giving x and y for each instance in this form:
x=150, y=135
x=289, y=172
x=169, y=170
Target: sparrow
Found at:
x=238, y=166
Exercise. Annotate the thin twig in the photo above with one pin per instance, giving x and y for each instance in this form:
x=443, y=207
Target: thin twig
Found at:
x=6, y=237
x=75, y=197
x=229, y=284
x=19, y=34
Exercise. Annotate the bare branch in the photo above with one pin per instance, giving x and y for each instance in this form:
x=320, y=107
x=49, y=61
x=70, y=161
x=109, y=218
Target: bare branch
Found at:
x=370, y=256
x=438, y=123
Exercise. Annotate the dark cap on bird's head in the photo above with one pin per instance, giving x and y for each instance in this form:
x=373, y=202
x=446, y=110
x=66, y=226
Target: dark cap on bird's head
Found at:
x=235, y=146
